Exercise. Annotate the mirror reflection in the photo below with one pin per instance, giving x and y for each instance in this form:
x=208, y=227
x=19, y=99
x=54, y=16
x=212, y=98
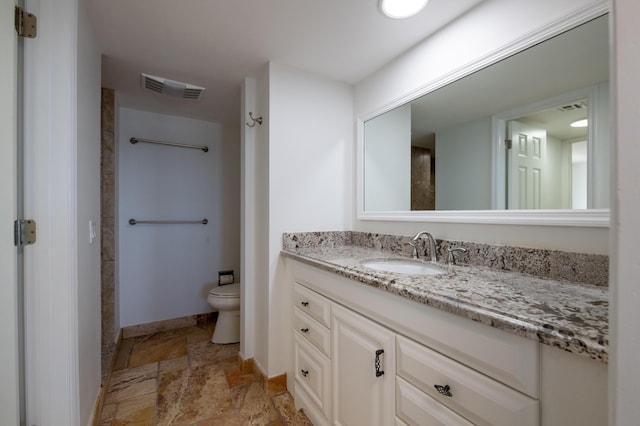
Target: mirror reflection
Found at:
x=528, y=132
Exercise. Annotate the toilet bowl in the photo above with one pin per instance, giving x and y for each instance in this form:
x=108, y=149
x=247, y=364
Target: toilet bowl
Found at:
x=226, y=300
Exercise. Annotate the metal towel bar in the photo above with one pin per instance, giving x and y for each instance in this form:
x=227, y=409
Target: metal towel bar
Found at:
x=181, y=145
x=168, y=222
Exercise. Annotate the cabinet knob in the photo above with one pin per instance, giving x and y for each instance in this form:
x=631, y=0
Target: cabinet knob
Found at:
x=443, y=390
x=305, y=304
x=304, y=330
x=377, y=363
x=305, y=373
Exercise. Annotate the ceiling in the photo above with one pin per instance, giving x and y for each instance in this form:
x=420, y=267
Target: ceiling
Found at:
x=216, y=43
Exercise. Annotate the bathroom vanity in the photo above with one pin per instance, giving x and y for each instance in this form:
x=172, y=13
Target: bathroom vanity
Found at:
x=470, y=346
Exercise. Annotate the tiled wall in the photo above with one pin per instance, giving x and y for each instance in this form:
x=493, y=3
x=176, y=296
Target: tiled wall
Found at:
x=107, y=220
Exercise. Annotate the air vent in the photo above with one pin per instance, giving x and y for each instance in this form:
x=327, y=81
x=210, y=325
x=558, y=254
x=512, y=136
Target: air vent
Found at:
x=572, y=106
x=171, y=88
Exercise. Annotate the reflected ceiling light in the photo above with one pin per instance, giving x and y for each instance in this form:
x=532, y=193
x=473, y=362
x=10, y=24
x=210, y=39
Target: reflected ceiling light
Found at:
x=580, y=123
x=399, y=9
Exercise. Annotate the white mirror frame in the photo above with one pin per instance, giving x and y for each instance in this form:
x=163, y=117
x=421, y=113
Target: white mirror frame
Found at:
x=587, y=218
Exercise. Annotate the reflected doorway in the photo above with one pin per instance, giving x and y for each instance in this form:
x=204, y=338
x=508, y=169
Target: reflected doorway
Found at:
x=546, y=157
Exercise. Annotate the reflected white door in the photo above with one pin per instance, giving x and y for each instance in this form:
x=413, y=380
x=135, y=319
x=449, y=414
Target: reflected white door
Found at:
x=526, y=166
x=9, y=310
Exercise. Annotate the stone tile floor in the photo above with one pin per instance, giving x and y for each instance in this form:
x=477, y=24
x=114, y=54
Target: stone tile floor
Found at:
x=180, y=378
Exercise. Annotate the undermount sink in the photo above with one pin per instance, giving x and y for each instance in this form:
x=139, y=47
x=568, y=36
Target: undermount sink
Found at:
x=404, y=266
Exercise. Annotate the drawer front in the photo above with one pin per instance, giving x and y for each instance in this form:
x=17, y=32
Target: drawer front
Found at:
x=313, y=304
x=313, y=373
x=474, y=396
x=313, y=331
x=414, y=407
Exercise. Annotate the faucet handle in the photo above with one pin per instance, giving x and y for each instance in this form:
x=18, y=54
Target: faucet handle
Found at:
x=451, y=259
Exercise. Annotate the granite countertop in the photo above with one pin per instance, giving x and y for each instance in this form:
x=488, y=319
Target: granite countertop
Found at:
x=567, y=315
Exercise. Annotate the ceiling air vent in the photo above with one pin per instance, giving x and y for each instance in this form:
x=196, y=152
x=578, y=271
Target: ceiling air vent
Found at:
x=173, y=88
x=572, y=106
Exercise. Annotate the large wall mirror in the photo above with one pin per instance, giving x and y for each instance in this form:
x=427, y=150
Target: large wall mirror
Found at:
x=526, y=138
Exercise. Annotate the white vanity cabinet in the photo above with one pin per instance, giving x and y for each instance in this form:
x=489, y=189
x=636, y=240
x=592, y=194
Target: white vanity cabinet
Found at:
x=363, y=364
x=312, y=349
x=439, y=368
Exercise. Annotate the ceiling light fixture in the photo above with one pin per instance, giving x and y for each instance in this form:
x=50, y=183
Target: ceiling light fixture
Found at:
x=580, y=123
x=400, y=9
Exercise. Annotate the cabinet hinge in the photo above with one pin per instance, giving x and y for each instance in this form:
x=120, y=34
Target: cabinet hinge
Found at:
x=24, y=232
x=26, y=23
x=508, y=143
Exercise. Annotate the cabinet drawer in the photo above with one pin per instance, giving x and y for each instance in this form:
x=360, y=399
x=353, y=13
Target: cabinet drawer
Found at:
x=313, y=304
x=474, y=396
x=313, y=331
x=312, y=373
x=414, y=407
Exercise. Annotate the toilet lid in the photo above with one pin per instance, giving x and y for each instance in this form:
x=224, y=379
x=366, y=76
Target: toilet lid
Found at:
x=229, y=290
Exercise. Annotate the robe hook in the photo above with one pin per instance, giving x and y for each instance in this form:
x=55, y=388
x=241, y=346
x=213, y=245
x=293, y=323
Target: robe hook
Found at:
x=255, y=120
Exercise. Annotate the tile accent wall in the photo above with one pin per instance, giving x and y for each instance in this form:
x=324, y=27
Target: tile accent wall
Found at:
x=558, y=265
x=107, y=227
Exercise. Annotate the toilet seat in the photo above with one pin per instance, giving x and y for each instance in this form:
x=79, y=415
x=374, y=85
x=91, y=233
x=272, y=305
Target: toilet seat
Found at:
x=229, y=290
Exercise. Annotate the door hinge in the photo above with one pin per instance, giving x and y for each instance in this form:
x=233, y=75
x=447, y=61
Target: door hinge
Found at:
x=24, y=232
x=26, y=23
x=508, y=143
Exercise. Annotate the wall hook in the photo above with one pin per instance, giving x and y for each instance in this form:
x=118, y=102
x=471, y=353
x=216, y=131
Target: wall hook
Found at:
x=255, y=120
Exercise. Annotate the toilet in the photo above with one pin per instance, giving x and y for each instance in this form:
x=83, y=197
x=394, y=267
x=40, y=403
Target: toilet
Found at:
x=226, y=300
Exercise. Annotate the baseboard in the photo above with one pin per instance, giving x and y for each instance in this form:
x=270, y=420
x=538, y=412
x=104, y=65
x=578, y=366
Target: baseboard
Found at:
x=271, y=385
x=99, y=404
x=165, y=325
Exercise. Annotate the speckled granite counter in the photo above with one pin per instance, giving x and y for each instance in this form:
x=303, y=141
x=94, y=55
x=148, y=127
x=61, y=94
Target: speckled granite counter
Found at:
x=567, y=315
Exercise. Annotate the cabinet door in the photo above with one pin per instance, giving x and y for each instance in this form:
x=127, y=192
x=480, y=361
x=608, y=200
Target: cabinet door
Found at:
x=363, y=356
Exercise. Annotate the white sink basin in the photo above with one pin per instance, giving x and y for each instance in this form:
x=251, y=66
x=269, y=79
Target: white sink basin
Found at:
x=404, y=266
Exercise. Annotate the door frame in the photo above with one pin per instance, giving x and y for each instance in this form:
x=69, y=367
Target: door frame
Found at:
x=9, y=309
x=499, y=135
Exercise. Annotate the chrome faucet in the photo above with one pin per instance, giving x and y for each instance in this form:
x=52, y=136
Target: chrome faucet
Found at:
x=432, y=245
x=451, y=259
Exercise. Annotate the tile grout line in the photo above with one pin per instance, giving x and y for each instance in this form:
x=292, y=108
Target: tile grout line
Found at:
x=197, y=353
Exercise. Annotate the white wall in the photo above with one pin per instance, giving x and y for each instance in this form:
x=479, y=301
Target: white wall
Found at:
x=255, y=217
x=166, y=271
x=624, y=317
x=247, y=220
x=308, y=137
x=449, y=51
x=88, y=190
x=62, y=285
x=387, y=162
x=455, y=46
x=463, y=166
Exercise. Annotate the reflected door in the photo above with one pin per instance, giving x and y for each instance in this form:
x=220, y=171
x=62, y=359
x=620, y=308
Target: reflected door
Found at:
x=526, y=166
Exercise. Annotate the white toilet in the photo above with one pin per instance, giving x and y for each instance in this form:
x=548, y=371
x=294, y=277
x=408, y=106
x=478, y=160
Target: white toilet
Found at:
x=226, y=300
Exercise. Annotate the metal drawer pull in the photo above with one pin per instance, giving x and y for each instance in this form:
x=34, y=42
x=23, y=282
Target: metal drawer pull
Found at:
x=304, y=330
x=443, y=390
x=305, y=304
x=377, y=363
x=305, y=373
